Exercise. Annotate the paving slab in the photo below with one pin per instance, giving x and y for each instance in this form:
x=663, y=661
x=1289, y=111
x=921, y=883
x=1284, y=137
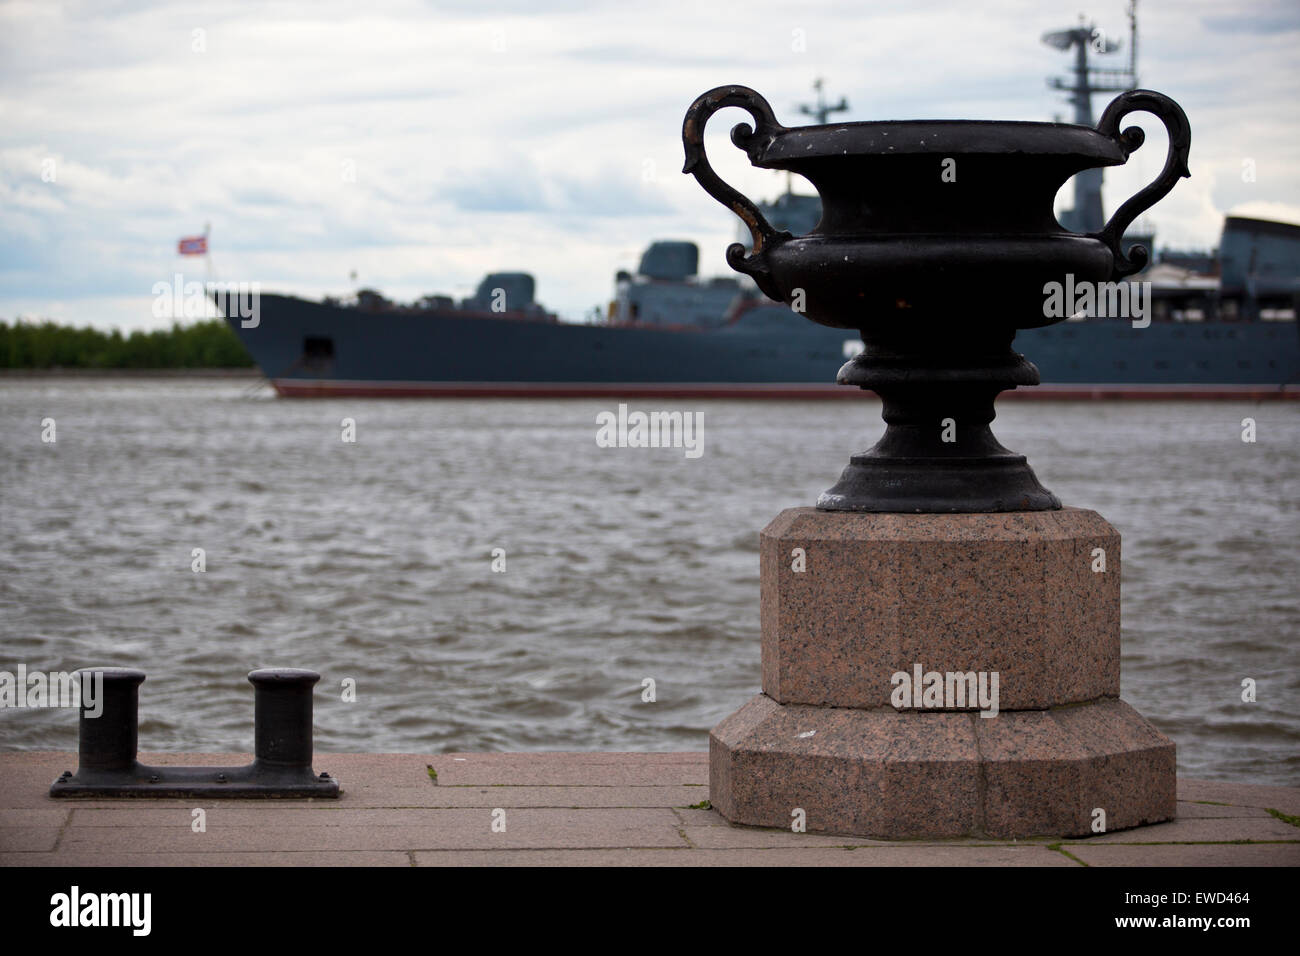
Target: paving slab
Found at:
x=426, y=830
x=755, y=838
x=560, y=809
x=1203, y=855
x=1201, y=811
x=28, y=839
x=1193, y=830
x=43, y=817
x=572, y=769
x=329, y=859
x=1285, y=799
x=810, y=856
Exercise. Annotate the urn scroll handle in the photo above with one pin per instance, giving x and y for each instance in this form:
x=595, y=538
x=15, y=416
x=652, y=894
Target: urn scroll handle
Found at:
x=750, y=140
x=1180, y=141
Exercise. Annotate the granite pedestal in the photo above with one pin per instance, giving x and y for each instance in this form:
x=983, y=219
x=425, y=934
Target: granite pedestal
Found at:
x=1011, y=622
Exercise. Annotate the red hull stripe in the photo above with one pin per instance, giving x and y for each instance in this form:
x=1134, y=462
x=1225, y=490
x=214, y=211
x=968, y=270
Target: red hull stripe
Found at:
x=338, y=388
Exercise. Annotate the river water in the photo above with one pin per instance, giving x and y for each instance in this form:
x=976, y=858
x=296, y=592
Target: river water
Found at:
x=372, y=561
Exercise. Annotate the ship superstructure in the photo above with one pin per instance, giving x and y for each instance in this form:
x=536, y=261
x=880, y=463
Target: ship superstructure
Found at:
x=1221, y=322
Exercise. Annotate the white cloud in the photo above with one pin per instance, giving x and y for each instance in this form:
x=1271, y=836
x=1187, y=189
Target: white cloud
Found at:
x=518, y=135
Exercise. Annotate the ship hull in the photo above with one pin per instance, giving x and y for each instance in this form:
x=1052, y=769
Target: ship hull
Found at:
x=310, y=349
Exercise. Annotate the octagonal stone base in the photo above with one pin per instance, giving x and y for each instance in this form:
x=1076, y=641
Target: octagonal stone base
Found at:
x=891, y=774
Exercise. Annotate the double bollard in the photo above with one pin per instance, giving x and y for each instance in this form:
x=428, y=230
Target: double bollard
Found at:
x=281, y=767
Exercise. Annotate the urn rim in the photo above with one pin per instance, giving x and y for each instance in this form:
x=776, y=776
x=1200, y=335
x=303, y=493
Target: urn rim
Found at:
x=880, y=138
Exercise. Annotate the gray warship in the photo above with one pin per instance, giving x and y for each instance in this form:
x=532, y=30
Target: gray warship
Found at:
x=1222, y=322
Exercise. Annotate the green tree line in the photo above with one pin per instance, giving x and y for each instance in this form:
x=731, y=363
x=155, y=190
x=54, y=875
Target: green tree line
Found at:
x=208, y=344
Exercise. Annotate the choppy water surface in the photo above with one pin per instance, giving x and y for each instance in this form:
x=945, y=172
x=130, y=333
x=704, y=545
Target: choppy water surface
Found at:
x=373, y=561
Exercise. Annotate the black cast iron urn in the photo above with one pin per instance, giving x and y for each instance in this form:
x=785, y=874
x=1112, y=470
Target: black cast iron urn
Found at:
x=936, y=243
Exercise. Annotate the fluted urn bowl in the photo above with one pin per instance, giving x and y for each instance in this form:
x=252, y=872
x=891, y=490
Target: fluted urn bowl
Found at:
x=936, y=243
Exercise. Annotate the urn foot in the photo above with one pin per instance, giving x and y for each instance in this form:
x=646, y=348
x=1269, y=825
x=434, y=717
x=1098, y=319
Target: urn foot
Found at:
x=974, y=485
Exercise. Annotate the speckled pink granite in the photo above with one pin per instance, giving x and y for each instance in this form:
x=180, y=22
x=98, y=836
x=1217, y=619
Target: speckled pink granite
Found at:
x=894, y=775
x=1049, y=771
x=1012, y=593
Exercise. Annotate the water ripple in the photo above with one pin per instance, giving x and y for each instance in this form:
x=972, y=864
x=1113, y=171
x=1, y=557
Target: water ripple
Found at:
x=372, y=562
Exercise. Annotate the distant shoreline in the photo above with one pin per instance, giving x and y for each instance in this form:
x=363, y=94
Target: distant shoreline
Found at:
x=233, y=373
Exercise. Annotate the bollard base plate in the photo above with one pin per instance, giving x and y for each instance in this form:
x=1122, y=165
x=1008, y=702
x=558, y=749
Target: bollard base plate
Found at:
x=251, y=781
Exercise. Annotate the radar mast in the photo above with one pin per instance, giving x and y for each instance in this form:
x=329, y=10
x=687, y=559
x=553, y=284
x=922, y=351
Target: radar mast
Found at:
x=1087, y=215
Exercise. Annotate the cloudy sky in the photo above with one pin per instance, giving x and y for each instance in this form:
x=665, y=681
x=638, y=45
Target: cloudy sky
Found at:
x=424, y=144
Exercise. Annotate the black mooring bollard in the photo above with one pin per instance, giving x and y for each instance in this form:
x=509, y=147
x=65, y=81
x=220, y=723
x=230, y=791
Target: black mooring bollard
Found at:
x=282, y=716
x=108, y=725
x=107, y=764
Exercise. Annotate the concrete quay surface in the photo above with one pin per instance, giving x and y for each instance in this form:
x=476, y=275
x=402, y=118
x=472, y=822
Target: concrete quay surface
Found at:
x=562, y=809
